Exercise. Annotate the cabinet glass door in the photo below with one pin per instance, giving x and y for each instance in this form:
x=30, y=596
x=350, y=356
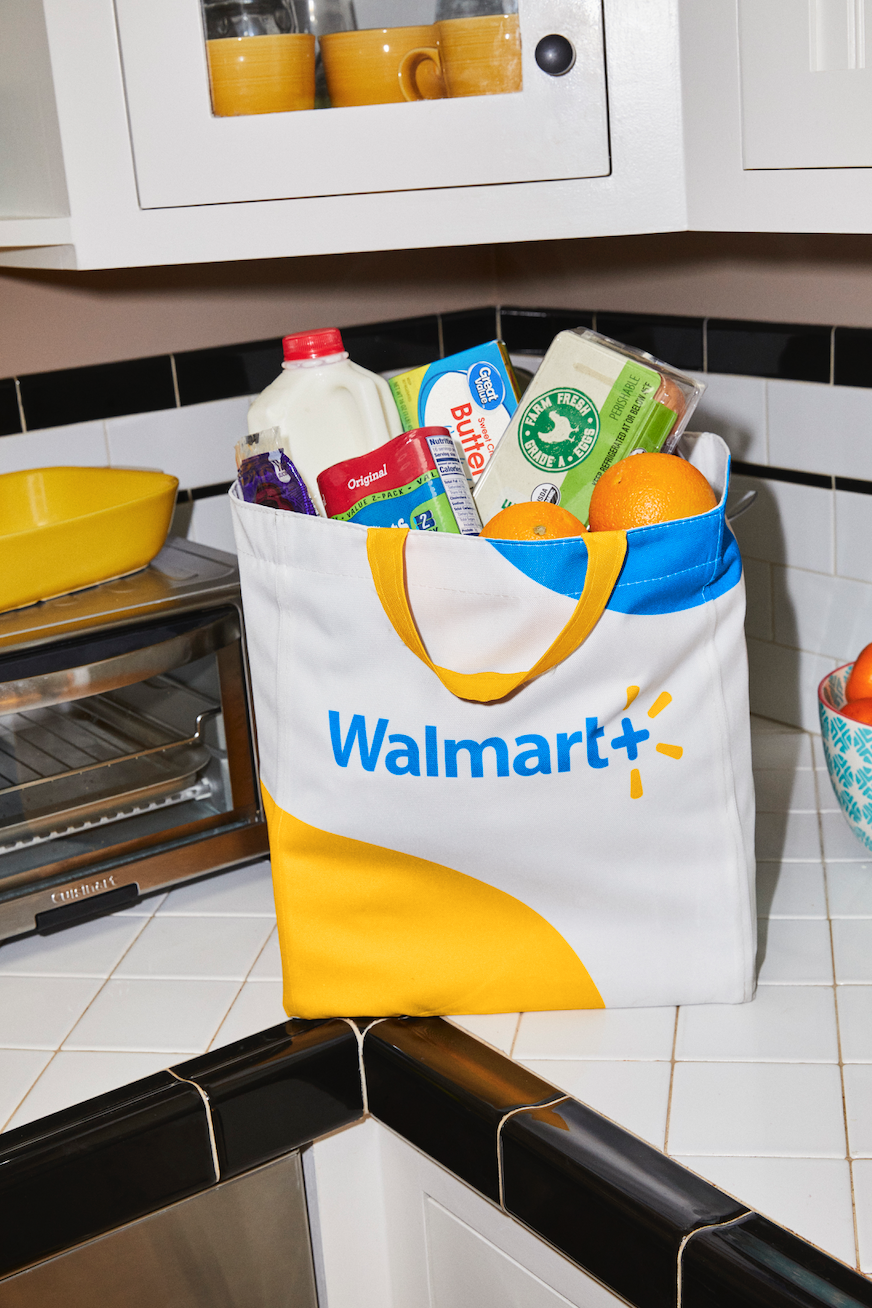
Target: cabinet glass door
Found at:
x=227, y=98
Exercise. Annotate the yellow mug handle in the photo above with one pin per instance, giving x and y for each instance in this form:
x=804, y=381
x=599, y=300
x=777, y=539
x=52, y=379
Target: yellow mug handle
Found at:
x=408, y=72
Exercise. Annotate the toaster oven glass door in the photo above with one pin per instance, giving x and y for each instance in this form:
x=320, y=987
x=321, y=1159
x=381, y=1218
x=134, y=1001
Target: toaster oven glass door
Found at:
x=115, y=746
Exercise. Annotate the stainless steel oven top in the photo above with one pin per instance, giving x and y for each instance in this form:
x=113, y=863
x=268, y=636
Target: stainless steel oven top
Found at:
x=184, y=576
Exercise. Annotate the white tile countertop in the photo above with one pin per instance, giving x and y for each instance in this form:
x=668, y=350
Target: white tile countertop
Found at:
x=772, y=1100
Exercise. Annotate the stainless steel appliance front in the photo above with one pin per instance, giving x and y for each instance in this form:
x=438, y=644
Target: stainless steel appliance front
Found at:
x=126, y=744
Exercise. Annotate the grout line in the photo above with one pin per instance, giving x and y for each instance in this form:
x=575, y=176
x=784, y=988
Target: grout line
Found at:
x=824, y=864
x=175, y=380
x=671, y=1080
x=713, y=1226
x=16, y=1107
x=66, y=1036
x=21, y=416
x=214, y=1035
x=525, y=1108
x=216, y=1162
x=705, y=323
x=364, y=1093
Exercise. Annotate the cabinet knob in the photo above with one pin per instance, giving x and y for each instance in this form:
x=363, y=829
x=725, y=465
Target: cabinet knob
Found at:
x=555, y=55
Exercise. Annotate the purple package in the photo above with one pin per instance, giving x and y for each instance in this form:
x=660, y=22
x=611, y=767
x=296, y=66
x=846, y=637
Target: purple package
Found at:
x=273, y=480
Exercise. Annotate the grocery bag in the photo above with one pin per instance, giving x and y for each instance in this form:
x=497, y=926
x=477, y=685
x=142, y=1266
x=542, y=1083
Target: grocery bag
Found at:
x=504, y=776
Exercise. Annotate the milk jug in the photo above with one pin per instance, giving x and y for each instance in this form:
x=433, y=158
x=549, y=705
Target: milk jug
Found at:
x=326, y=407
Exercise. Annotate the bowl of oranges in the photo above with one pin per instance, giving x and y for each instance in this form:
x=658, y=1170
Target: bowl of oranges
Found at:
x=845, y=706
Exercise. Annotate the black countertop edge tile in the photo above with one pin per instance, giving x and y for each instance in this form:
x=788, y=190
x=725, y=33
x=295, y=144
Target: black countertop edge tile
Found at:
x=446, y=1093
x=102, y=390
x=823, y=481
x=465, y=328
x=674, y=340
x=852, y=356
x=791, y=351
x=224, y=371
x=79, y=1115
x=10, y=418
x=757, y=1264
x=615, y=1205
x=280, y=1089
x=853, y=484
x=209, y=492
x=101, y=1170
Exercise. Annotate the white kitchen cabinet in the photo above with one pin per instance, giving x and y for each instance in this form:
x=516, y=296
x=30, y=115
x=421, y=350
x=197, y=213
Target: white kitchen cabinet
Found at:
x=114, y=158
x=392, y=1229
x=777, y=112
x=806, y=90
x=724, y=115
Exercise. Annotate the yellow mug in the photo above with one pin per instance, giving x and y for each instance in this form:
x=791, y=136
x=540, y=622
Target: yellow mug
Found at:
x=474, y=56
x=364, y=67
x=262, y=74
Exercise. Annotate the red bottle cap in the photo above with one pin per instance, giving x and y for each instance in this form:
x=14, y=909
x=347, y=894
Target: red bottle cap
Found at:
x=312, y=345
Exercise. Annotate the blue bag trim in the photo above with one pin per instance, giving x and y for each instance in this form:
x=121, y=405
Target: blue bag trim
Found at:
x=657, y=576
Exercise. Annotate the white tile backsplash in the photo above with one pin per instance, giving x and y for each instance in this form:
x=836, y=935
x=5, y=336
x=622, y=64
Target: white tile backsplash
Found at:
x=852, y=949
x=822, y=615
x=854, y=535
x=862, y=1171
x=194, y=443
x=784, y=683
x=787, y=524
x=758, y=596
x=819, y=428
x=82, y=444
x=211, y=523
x=735, y=408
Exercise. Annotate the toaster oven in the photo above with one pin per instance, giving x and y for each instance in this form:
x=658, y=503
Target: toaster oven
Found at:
x=127, y=756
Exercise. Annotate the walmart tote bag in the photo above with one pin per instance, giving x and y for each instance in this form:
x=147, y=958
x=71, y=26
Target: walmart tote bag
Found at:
x=501, y=775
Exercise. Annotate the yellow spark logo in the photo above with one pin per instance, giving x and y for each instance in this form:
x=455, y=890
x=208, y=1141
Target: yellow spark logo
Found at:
x=663, y=700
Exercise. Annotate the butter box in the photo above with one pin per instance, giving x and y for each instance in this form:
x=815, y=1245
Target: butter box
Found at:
x=592, y=402
x=473, y=394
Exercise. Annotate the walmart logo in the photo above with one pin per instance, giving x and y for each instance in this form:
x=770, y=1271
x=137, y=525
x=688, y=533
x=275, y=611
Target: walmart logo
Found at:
x=528, y=756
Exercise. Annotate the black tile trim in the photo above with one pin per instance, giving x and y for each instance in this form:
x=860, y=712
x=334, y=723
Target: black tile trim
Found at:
x=754, y=1263
x=102, y=1163
x=278, y=1090
x=854, y=485
x=766, y=473
x=796, y=351
x=209, y=492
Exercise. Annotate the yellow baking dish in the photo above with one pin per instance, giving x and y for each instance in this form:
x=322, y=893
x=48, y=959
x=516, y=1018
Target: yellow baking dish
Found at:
x=65, y=528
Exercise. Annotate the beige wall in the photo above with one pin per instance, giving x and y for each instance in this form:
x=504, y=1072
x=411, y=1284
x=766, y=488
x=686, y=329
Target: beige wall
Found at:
x=55, y=320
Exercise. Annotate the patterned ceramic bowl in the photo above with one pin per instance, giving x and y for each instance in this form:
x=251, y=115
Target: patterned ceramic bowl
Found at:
x=848, y=749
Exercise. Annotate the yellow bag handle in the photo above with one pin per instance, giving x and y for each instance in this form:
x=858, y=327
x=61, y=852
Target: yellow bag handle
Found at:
x=385, y=548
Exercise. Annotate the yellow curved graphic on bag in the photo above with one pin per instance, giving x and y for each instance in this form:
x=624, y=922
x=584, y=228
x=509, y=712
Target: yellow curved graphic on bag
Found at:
x=369, y=930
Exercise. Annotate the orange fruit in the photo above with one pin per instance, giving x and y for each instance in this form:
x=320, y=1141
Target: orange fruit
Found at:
x=859, y=710
x=860, y=681
x=646, y=488
x=533, y=521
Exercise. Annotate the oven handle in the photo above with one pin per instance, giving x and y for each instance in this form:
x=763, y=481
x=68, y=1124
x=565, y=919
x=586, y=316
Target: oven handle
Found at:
x=122, y=670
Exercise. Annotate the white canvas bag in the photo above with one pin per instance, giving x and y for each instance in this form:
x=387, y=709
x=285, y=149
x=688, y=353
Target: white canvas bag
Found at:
x=584, y=840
